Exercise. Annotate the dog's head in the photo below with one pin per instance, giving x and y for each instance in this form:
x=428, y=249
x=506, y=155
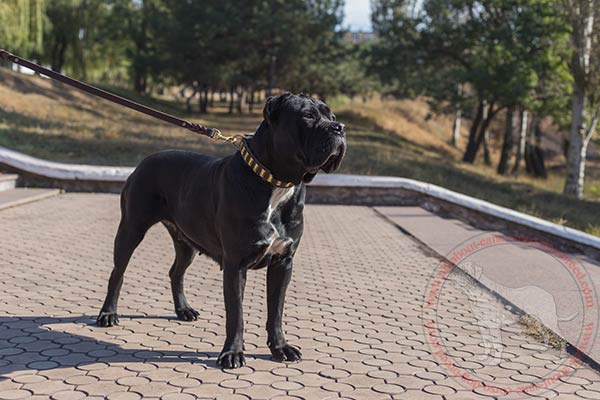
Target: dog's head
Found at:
x=304, y=132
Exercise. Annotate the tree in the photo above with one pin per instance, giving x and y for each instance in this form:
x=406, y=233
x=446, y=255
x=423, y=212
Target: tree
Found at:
x=548, y=98
x=311, y=66
x=62, y=33
x=494, y=50
x=507, y=145
x=500, y=48
x=87, y=38
x=583, y=16
x=206, y=38
x=203, y=37
x=396, y=57
x=143, y=22
x=22, y=24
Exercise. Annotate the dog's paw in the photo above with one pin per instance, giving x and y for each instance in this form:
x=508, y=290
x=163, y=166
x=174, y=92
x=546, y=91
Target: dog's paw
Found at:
x=187, y=314
x=231, y=359
x=286, y=353
x=106, y=319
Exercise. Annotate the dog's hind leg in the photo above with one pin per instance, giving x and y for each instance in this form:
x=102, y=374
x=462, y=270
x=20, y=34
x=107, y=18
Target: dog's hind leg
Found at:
x=128, y=238
x=184, y=255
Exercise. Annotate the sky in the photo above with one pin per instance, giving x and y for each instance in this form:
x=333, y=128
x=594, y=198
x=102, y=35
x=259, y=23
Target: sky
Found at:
x=357, y=15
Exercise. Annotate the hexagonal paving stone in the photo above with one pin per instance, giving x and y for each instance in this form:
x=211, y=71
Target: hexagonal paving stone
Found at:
x=361, y=329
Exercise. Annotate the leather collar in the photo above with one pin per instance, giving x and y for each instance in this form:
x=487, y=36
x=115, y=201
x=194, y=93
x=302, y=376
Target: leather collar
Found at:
x=260, y=169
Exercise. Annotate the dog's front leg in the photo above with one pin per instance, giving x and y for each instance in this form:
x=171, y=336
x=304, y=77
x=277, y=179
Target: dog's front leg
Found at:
x=234, y=282
x=278, y=278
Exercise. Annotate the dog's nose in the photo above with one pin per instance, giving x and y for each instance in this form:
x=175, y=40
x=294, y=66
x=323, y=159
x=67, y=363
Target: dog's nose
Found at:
x=339, y=128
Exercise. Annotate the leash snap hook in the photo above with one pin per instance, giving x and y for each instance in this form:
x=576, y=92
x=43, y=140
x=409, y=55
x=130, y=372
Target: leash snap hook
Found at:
x=236, y=140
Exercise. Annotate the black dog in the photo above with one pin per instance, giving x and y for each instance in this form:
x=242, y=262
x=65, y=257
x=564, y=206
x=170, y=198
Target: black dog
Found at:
x=244, y=211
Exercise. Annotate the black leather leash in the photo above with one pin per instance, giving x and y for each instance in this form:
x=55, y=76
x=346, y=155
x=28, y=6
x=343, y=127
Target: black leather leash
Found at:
x=212, y=133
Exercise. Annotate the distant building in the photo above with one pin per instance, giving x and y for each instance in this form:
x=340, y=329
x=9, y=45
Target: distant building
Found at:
x=359, y=37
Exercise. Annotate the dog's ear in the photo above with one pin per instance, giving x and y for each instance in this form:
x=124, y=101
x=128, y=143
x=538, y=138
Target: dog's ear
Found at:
x=273, y=106
x=268, y=110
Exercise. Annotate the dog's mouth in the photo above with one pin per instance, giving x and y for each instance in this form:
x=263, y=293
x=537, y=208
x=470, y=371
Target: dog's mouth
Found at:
x=334, y=161
x=330, y=164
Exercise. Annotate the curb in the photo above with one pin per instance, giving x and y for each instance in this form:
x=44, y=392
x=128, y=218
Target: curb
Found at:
x=62, y=171
x=44, y=194
x=333, y=188
x=458, y=199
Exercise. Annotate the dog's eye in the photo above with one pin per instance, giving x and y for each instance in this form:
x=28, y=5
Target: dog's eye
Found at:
x=333, y=117
x=309, y=116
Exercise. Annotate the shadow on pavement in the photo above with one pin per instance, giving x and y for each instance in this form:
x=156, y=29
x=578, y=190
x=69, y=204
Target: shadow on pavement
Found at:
x=40, y=343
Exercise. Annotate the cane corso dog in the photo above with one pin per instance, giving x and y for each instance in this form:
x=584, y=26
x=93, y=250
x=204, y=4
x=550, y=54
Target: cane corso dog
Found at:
x=244, y=211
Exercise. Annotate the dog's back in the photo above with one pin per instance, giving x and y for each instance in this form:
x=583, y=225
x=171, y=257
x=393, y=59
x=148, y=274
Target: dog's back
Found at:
x=159, y=179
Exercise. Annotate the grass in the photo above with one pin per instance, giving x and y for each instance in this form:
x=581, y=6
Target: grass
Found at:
x=533, y=327
x=373, y=149
x=48, y=120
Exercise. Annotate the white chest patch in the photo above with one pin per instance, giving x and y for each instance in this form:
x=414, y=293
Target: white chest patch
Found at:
x=279, y=197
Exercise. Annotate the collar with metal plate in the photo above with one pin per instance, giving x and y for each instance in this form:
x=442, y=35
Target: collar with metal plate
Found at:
x=259, y=169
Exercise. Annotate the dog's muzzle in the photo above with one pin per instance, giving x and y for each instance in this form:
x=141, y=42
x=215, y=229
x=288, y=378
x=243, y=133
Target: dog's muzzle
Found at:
x=333, y=150
x=338, y=128
x=335, y=159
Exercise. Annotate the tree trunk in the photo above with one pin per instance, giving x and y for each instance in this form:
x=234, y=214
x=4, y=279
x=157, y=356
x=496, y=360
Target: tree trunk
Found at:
x=58, y=55
x=579, y=157
x=188, y=100
x=482, y=136
x=251, y=101
x=487, y=114
x=84, y=40
x=507, y=143
x=204, y=99
x=539, y=163
x=140, y=69
x=470, y=150
x=456, y=127
x=457, y=118
x=534, y=156
x=521, y=143
x=582, y=33
x=271, y=75
x=577, y=147
x=231, y=97
x=241, y=100
x=487, y=159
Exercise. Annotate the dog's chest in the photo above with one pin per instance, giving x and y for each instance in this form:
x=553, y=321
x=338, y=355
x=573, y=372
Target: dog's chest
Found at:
x=277, y=243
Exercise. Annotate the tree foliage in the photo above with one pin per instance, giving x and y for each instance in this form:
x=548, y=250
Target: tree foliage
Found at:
x=22, y=25
x=472, y=58
x=500, y=53
x=238, y=47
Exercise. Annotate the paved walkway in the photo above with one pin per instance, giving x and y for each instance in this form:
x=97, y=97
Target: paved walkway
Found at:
x=366, y=305
x=559, y=289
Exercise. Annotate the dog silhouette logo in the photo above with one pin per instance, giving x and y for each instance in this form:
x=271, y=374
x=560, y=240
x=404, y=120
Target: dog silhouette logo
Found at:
x=491, y=317
x=496, y=298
